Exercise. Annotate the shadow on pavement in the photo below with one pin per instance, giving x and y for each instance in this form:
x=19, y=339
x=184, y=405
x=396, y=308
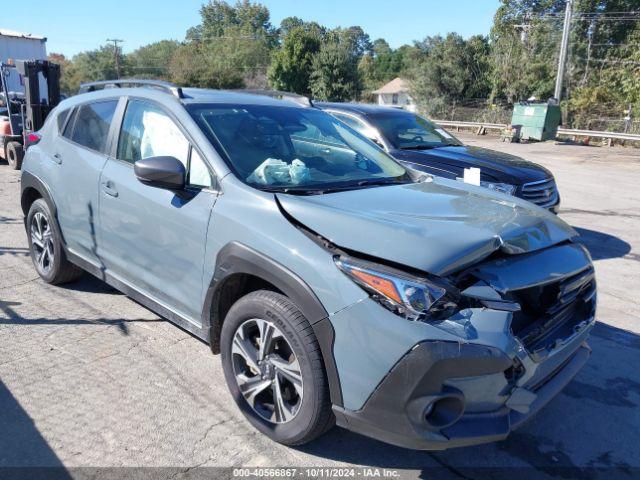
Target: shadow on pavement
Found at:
x=90, y=284
x=14, y=318
x=23, y=450
x=602, y=245
x=572, y=437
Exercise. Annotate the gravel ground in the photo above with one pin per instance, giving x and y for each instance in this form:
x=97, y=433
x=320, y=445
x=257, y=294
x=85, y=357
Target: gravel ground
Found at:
x=89, y=378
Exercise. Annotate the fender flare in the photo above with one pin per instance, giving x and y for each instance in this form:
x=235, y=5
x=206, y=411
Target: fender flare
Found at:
x=29, y=180
x=236, y=258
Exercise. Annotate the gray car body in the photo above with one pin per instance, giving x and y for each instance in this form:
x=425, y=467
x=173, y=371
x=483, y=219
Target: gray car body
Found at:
x=155, y=246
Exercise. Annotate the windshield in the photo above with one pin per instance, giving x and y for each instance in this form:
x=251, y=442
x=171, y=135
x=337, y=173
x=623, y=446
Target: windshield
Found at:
x=294, y=149
x=406, y=131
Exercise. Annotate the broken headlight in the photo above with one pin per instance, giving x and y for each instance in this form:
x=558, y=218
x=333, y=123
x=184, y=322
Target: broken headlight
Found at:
x=410, y=296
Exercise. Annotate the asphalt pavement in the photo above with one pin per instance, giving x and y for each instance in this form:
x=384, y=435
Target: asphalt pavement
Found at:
x=89, y=378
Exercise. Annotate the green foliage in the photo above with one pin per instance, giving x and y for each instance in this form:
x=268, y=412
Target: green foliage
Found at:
x=453, y=69
x=152, y=60
x=291, y=66
x=334, y=75
x=383, y=64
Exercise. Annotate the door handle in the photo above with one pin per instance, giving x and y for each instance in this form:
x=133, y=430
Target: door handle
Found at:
x=57, y=158
x=109, y=188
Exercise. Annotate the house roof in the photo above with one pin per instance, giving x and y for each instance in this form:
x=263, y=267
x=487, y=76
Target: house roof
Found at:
x=397, y=85
x=10, y=33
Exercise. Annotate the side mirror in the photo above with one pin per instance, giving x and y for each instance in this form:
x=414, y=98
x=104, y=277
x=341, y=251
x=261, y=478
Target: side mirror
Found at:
x=161, y=172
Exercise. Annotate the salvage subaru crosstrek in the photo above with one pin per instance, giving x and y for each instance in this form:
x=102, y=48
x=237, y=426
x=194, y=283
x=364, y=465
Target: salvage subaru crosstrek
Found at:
x=337, y=286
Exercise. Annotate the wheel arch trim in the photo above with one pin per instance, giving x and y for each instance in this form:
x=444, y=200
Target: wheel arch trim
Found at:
x=29, y=180
x=238, y=258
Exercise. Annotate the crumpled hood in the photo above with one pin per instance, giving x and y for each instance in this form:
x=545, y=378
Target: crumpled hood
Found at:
x=438, y=226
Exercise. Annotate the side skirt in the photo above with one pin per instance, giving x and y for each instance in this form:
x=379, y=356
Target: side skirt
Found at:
x=201, y=332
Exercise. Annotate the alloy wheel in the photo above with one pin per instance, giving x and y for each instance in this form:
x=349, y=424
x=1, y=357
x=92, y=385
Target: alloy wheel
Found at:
x=267, y=371
x=42, y=242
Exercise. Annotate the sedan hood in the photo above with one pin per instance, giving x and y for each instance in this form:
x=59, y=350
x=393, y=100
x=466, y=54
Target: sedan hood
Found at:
x=495, y=166
x=437, y=226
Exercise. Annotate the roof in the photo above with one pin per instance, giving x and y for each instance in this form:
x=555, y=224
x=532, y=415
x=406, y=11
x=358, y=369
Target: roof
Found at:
x=191, y=96
x=10, y=33
x=397, y=85
x=361, y=108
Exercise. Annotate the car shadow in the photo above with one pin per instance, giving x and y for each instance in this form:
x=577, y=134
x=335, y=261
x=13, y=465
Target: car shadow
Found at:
x=24, y=452
x=570, y=438
x=601, y=245
x=90, y=284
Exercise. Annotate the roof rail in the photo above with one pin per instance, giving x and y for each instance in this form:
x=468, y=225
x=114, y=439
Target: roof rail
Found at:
x=294, y=97
x=132, y=82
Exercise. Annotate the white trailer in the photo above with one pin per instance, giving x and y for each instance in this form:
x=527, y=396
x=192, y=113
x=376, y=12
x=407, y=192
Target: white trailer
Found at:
x=20, y=46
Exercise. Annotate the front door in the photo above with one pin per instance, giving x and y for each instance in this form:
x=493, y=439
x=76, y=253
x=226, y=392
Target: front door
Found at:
x=150, y=238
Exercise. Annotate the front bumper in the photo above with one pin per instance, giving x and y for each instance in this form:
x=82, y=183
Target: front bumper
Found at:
x=421, y=404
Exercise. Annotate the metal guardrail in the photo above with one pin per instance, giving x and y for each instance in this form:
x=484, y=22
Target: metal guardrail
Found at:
x=594, y=133
x=481, y=127
x=488, y=126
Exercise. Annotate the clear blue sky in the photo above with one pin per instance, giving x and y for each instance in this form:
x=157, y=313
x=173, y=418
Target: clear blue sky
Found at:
x=75, y=25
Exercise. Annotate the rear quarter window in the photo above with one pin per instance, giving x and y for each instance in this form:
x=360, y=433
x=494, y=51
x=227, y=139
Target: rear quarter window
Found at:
x=91, y=125
x=62, y=118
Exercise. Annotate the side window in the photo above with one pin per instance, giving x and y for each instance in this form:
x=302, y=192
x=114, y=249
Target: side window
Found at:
x=199, y=175
x=311, y=133
x=62, y=117
x=148, y=132
x=91, y=126
x=354, y=123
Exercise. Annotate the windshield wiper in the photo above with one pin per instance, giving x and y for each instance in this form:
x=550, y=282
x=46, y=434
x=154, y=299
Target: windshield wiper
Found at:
x=419, y=147
x=379, y=181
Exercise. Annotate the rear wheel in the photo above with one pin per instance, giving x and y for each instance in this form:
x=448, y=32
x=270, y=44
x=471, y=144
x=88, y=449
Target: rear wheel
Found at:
x=14, y=154
x=45, y=246
x=273, y=367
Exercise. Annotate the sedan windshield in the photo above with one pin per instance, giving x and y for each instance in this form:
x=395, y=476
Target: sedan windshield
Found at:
x=406, y=131
x=294, y=149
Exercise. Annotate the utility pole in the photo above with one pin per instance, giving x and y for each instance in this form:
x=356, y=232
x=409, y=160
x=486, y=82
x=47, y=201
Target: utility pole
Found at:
x=564, y=46
x=116, y=41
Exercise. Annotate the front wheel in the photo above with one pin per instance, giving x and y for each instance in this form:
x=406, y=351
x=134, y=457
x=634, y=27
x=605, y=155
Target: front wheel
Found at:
x=274, y=369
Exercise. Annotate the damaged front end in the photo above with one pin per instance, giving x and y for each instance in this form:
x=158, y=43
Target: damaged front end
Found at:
x=477, y=313
x=521, y=328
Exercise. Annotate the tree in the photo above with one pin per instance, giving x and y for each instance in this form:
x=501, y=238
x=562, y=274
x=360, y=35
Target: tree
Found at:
x=334, y=75
x=67, y=85
x=229, y=49
x=153, y=60
x=453, y=69
x=89, y=66
x=291, y=66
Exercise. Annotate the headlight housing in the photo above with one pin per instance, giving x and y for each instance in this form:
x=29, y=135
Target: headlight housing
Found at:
x=410, y=296
x=506, y=188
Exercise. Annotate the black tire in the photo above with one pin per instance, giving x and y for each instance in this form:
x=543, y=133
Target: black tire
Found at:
x=15, y=154
x=314, y=416
x=58, y=269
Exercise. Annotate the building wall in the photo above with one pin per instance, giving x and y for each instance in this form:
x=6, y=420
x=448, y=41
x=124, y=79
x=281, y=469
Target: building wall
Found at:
x=16, y=48
x=402, y=100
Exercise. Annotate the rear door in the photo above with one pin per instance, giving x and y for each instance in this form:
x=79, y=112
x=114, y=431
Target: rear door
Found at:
x=79, y=154
x=149, y=238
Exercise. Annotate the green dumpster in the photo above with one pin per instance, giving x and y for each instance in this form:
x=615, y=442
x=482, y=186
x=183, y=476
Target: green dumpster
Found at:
x=537, y=121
